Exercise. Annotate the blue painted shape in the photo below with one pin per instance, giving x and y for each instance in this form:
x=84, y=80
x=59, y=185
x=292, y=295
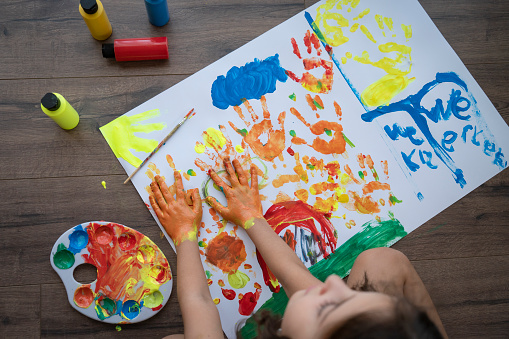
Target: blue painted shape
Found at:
x=464, y=133
x=426, y=157
x=412, y=105
x=499, y=159
x=250, y=81
x=78, y=239
x=130, y=309
x=448, y=139
x=408, y=161
x=407, y=132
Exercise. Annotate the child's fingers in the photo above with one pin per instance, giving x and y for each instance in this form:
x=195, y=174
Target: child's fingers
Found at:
x=231, y=172
x=240, y=172
x=219, y=182
x=196, y=201
x=217, y=206
x=254, y=177
x=180, y=186
x=161, y=186
x=155, y=207
x=157, y=194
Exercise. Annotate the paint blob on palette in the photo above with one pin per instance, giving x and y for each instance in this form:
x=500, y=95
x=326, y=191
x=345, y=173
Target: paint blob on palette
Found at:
x=134, y=279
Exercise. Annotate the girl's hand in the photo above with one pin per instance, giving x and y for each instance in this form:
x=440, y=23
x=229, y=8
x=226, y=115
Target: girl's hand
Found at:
x=179, y=219
x=244, y=205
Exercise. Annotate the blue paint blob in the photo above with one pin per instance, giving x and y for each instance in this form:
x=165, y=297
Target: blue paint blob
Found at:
x=251, y=81
x=78, y=240
x=130, y=309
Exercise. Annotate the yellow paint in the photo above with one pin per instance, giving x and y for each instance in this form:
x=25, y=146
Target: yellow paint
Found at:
x=249, y=223
x=362, y=14
x=383, y=90
x=388, y=22
x=199, y=148
x=332, y=33
x=214, y=138
x=354, y=28
x=367, y=33
x=407, y=30
x=348, y=55
x=120, y=135
x=343, y=60
x=379, y=21
x=104, y=184
x=238, y=279
x=153, y=300
x=216, y=300
x=239, y=149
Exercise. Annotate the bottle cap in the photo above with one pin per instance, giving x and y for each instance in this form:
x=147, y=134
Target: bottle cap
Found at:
x=89, y=6
x=50, y=102
x=108, y=51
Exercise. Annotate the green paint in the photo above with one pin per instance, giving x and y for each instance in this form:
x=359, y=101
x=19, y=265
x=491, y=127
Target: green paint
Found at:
x=309, y=166
x=319, y=85
x=292, y=133
x=191, y=172
x=348, y=141
x=153, y=300
x=208, y=274
x=373, y=234
x=118, y=328
x=63, y=259
x=318, y=32
x=317, y=104
x=202, y=244
x=361, y=175
x=391, y=215
x=293, y=96
x=105, y=308
x=242, y=132
x=328, y=132
x=120, y=135
x=238, y=279
x=375, y=175
x=394, y=200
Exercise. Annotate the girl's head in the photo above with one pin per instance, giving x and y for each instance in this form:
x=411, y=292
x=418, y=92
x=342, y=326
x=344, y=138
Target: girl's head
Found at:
x=333, y=310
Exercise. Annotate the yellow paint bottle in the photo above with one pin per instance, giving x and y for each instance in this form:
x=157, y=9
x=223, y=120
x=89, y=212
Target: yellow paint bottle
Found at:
x=96, y=19
x=58, y=109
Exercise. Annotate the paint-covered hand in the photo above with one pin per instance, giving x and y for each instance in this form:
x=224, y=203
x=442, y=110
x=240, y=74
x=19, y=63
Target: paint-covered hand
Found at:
x=244, y=204
x=179, y=215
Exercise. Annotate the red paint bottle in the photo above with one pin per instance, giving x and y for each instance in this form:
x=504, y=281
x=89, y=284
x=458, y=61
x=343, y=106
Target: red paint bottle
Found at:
x=137, y=49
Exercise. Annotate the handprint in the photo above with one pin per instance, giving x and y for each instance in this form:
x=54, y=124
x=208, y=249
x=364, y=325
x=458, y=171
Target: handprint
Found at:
x=308, y=80
x=337, y=145
x=120, y=135
x=396, y=57
x=275, y=138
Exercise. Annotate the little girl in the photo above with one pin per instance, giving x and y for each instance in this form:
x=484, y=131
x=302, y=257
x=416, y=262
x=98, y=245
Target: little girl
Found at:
x=383, y=297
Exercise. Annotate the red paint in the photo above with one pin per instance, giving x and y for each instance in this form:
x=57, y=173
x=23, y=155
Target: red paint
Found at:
x=290, y=151
x=248, y=302
x=126, y=241
x=228, y=294
x=157, y=308
x=297, y=213
x=296, y=48
x=137, y=49
x=292, y=75
x=83, y=296
x=103, y=235
x=307, y=41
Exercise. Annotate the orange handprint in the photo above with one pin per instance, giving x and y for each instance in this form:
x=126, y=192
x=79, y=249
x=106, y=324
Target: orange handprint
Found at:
x=308, y=80
x=275, y=138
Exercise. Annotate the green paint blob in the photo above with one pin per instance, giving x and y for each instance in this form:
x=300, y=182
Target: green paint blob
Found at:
x=309, y=166
x=238, y=279
x=394, y=200
x=293, y=96
x=153, y=300
x=292, y=133
x=317, y=104
x=105, y=308
x=242, y=132
x=191, y=172
x=348, y=141
x=202, y=244
x=373, y=234
x=328, y=132
x=361, y=175
x=63, y=259
x=208, y=274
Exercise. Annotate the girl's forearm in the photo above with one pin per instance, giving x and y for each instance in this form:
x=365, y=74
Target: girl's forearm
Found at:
x=191, y=277
x=280, y=258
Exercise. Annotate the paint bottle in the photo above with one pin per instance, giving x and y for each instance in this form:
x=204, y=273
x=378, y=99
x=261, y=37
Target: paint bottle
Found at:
x=96, y=19
x=157, y=11
x=137, y=49
x=61, y=111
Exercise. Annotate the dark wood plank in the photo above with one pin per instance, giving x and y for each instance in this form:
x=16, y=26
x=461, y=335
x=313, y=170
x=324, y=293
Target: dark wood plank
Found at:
x=20, y=310
x=57, y=43
x=60, y=320
x=470, y=294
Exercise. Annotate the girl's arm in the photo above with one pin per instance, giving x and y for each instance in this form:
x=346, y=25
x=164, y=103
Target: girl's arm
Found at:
x=181, y=221
x=245, y=209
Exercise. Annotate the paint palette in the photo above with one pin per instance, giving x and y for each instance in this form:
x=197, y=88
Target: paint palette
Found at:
x=134, y=279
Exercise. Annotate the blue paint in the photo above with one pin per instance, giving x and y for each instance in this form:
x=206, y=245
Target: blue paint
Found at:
x=130, y=309
x=499, y=159
x=408, y=161
x=250, y=81
x=78, y=239
x=157, y=11
x=425, y=157
x=407, y=132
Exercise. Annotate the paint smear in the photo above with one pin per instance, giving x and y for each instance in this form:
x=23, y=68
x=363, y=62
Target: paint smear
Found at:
x=248, y=302
x=104, y=184
x=226, y=252
x=120, y=135
x=83, y=296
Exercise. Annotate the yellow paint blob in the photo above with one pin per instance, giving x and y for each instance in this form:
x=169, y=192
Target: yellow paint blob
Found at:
x=153, y=300
x=104, y=184
x=120, y=135
x=216, y=301
x=388, y=23
x=362, y=14
x=407, y=30
x=348, y=55
x=343, y=60
x=354, y=28
x=367, y=33
x=199, y=148
x=379, y=21
x=239, y=149
x=238, y=279
x=331, y=24
x=382, y=91
x=214, y=138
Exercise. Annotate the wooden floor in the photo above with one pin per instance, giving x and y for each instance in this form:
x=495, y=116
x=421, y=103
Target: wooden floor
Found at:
x=50, y=179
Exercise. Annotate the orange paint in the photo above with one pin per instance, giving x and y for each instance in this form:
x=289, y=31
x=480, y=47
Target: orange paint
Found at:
x=375, y=185
x=325, y=205
x=310, y=102
x=337, y=108
x=302, y=195
x=281, y=197
x=321, y=187
x=299, y=170
x=333, y=169
x=169, y=159
x=226, y=252
x=284, y=179
x=385, y=167
x=360, y=160
x=202, y=165
x=298, y=141
x=364, y=205
x=299, y=116
x=336, y=145
x=350, y=174
x=369, y=162
x=241, y=115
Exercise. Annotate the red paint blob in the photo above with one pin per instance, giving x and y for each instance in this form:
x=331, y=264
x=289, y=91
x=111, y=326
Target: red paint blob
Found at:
x=126, y=241
x=228, y=294
x=157, y=308
x=83, y=296
x=290, y=151
x=248, y=302
x=103, y=235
